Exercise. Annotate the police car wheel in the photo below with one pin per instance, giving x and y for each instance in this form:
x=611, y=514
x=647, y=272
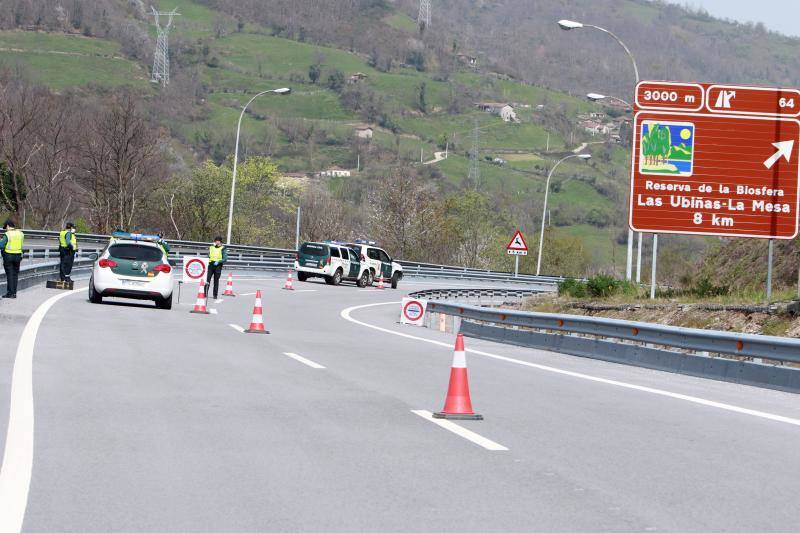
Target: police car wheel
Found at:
x=371, y=279
x=94, y=297
x=164, y=303
x=302, y=276
x=337, y=278
x=363, y=281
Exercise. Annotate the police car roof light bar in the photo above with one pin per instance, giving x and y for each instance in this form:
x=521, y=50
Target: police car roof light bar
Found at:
x=135, y=236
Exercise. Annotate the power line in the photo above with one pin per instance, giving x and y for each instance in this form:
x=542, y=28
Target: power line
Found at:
x=161, y=56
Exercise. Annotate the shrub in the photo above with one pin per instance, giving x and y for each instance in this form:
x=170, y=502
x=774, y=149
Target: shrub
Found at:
x=602, y=285
x=703, y=287
x=572, y=287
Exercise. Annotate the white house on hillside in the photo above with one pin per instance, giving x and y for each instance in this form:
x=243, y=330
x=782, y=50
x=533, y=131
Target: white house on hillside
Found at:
x=503, y=110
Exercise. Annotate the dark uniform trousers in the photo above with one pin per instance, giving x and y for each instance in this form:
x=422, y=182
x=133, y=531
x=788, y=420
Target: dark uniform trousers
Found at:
x=67, y=257
x=11, y=264
x=214, y=272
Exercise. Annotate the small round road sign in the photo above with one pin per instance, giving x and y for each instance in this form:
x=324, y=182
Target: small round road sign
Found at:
x=195, y=268
x=413, y=311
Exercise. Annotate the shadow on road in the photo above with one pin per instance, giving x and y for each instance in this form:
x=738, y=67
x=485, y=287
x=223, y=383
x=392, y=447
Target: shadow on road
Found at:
x=133, y=303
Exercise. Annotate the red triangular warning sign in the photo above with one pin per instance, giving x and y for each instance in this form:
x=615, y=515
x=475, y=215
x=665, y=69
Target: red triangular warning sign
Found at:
x=518, y=243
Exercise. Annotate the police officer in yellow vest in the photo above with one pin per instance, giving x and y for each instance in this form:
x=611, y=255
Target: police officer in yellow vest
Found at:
x=67, y=248
x=217, y=256
x=11, y=245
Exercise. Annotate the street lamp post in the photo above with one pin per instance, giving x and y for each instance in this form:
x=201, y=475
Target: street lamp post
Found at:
x=567, y=25
x=544, y=208
x=281, y=91
x=595, y=97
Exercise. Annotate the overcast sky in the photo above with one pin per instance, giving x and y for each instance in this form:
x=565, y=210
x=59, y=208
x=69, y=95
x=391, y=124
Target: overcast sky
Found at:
x=779, y=15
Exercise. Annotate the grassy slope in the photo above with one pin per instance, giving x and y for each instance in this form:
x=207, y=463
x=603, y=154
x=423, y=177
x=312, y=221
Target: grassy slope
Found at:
x=62, y=61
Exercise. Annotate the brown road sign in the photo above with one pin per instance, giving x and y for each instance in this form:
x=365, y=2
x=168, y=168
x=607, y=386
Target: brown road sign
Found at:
x=715, y=160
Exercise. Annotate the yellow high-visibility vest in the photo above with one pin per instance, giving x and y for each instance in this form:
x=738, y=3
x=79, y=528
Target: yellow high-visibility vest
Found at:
x=15, y=238
x=214, y=253
x=64, y=237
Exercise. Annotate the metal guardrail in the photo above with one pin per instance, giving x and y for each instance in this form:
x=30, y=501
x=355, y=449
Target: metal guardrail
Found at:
x=30, y=275
x=697, y=340
x=273, y=257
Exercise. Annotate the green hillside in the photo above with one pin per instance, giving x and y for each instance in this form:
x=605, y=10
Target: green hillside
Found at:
x=240, y=60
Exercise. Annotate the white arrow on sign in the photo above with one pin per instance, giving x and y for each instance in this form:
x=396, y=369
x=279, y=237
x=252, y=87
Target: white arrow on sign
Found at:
x=784, y=150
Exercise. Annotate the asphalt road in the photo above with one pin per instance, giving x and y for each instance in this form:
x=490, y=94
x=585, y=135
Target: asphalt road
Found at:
x=149, y=420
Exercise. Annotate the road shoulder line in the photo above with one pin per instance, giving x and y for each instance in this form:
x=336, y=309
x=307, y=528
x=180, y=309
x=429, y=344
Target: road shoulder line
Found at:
x=15, y=472
x=345, y=313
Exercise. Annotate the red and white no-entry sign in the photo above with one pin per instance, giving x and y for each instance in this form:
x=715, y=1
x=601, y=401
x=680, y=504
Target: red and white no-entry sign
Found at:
x=194, y=268
x=412, y=311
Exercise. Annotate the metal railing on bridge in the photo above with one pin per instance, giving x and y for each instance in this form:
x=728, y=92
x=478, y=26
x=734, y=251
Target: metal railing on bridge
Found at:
x=255, y=257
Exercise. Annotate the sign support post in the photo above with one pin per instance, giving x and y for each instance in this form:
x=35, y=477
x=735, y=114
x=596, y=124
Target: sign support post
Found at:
x=653, y=270
x=769, y=272
x=798, y=281
x=516, y=266
x=639, y=260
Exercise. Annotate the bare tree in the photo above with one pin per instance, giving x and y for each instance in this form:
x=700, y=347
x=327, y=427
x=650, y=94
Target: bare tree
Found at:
x=20, y=113
x=49, y=179
x=397, y=207
x=120, y=159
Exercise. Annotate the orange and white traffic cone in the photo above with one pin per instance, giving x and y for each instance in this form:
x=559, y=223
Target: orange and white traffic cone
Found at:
x=380, y=283
x=457, y=405
x=288, y=285
x=229, y=286
x=200, y=303
x=257, y=322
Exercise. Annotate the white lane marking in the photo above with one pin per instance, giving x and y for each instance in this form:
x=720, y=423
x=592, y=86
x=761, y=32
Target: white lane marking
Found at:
x=658, y=392
x=212, y=311
x=15, y=474
x=303, y=360
x=218, y=301
x=461, y=432
x=240, y=329
x=248, y=294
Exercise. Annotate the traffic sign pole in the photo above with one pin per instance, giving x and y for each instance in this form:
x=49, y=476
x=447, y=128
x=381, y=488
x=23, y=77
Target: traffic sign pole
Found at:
x=639, y=260
x=516, y=266
x=655, y=265
x=769, y=272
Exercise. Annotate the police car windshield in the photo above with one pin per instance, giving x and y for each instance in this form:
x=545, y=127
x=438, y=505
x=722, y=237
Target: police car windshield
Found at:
x=135, y=252
x=320, y=250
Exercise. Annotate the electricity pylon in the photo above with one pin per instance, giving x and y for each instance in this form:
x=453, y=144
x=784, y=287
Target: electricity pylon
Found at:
x=161, y=56
x=424, y=17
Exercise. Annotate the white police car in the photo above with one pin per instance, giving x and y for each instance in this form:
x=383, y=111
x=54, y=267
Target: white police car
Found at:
x=378, y=262
x=132, y=266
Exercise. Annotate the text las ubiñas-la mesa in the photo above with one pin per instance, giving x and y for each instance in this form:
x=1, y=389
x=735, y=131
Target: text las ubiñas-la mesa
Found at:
x=763, y=199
